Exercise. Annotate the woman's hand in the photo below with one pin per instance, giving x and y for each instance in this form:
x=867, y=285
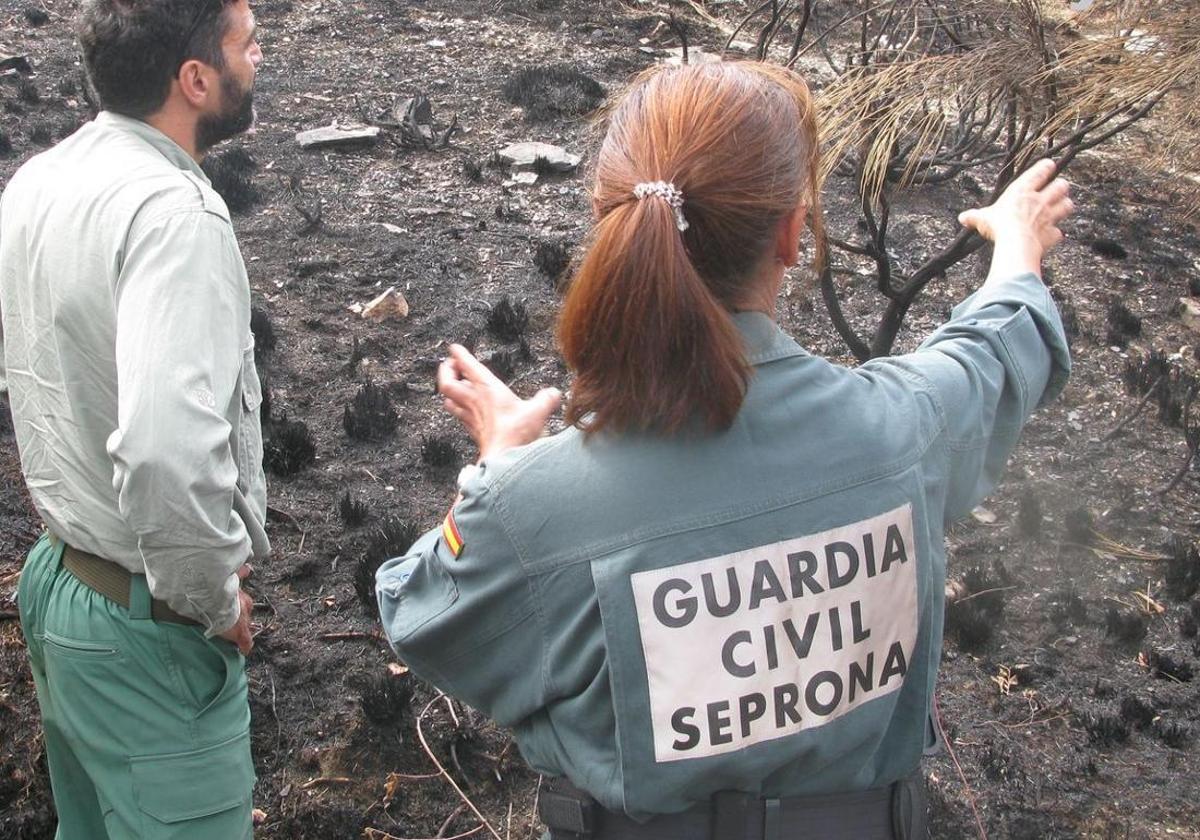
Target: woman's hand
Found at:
x=1024, y=221
x=493, y=415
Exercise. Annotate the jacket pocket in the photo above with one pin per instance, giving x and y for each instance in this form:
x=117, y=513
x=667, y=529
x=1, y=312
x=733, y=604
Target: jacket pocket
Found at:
x=178, y=787
x=250, y=426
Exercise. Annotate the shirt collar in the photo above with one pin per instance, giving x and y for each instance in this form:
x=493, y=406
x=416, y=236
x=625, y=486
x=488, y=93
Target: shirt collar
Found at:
x=764, y=341
x=161, y=143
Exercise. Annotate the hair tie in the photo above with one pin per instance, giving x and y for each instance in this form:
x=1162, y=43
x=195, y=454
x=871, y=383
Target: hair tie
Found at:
x=667, y=192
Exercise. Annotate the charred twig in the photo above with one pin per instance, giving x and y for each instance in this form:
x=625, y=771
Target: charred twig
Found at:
x=680, y=29
x=327, y=781
x=1191, y=435
x=376, y=834
x=450, y=820
x=442, y=770
x=353, y=636
x=1116, y=430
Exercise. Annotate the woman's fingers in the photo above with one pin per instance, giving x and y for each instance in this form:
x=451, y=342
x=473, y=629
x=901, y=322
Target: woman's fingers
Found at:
x=459, y=391
x=973, y=219
x=469, y=367
x=1059, y=188
x=1037, y=176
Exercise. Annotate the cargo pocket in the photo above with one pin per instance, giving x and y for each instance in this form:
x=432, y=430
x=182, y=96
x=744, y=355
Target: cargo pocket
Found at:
x=211, y=787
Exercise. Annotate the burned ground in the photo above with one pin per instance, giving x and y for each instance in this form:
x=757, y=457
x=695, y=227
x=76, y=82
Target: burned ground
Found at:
x=1067, y=691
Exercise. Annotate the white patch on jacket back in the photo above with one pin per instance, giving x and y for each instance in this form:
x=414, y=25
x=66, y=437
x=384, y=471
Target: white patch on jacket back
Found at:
x=764, y=643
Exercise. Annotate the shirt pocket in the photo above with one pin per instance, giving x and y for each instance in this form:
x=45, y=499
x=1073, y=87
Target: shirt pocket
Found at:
x=250, y=448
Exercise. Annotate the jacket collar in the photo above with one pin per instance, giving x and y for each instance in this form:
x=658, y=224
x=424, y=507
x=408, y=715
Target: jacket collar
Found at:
x=764, y=341
x=160, y=142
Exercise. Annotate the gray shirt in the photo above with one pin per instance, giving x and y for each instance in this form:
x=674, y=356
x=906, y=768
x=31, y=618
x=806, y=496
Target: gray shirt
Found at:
x=129, y=362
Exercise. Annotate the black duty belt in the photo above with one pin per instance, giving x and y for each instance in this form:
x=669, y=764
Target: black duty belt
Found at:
x=896, y=812
x=112, y=581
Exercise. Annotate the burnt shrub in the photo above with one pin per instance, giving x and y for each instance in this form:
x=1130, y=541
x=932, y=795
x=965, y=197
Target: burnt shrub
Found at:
x=1122, y=324
x=1137, y=712
x=27, y=91
x=289, y=448
x=264, y=408
x=552, y=92
x=6, y=145
x=390, y=539
x=1108, y=248
x=385, y=699
x=1126, y=628
x=1067, y=609
x=41, y=133
x=354, y=512
x=552, y=258
x=264, y=334
x=1189, y=623
x=968, y=625
x=1104, y=729
x=232, y=173
x=1070, y=315
x=1144, y=372
x=1166, y=667
x=974, y=619
x=1173, y=733
x=36, y=16
x=1140, y=373
x=1080, y=526
x=508, y=319
x=472, y=170
x=370, y=415
x=1029, y=514
x=1183, y=568
x=504, y=362
x=439, y=452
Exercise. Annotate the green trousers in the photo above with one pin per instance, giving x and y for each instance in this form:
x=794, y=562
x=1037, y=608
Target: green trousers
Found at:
x=146, y=724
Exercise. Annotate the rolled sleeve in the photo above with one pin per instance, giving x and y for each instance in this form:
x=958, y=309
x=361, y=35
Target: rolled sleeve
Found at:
x=181, y=309
x=465, y=622
x=1002, y=355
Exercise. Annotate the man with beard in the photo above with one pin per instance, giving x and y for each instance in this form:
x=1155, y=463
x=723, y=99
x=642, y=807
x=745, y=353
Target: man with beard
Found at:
x=130, y=369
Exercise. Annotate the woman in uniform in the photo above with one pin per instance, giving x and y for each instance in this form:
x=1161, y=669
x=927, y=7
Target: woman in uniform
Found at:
x=712, y=606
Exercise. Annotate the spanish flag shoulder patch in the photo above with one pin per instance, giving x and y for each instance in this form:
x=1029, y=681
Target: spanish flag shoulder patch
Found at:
x=451, y=535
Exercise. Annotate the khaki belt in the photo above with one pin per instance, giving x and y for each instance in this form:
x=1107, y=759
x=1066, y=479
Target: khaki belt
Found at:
x=112, y=581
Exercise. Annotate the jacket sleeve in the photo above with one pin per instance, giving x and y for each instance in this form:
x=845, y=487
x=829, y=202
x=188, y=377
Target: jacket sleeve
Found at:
x=180, y=325
x=467, y=621
x=1002, y=354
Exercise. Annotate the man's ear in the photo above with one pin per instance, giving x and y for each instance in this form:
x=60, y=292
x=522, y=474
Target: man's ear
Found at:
x=787, y=236
x=195, y=82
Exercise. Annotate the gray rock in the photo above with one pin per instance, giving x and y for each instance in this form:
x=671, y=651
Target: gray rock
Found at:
x=1188, y=310
x=332, y=136
x=519, y=156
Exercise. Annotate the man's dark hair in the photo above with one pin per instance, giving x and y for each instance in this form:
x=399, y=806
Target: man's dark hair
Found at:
x=132, y=49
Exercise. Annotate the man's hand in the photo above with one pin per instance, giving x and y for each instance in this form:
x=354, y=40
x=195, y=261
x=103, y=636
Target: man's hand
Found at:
x=240, y=633
x=1024, y=220
x=494, y=416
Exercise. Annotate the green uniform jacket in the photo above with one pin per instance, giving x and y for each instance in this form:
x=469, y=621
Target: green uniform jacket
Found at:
x=756, y=610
